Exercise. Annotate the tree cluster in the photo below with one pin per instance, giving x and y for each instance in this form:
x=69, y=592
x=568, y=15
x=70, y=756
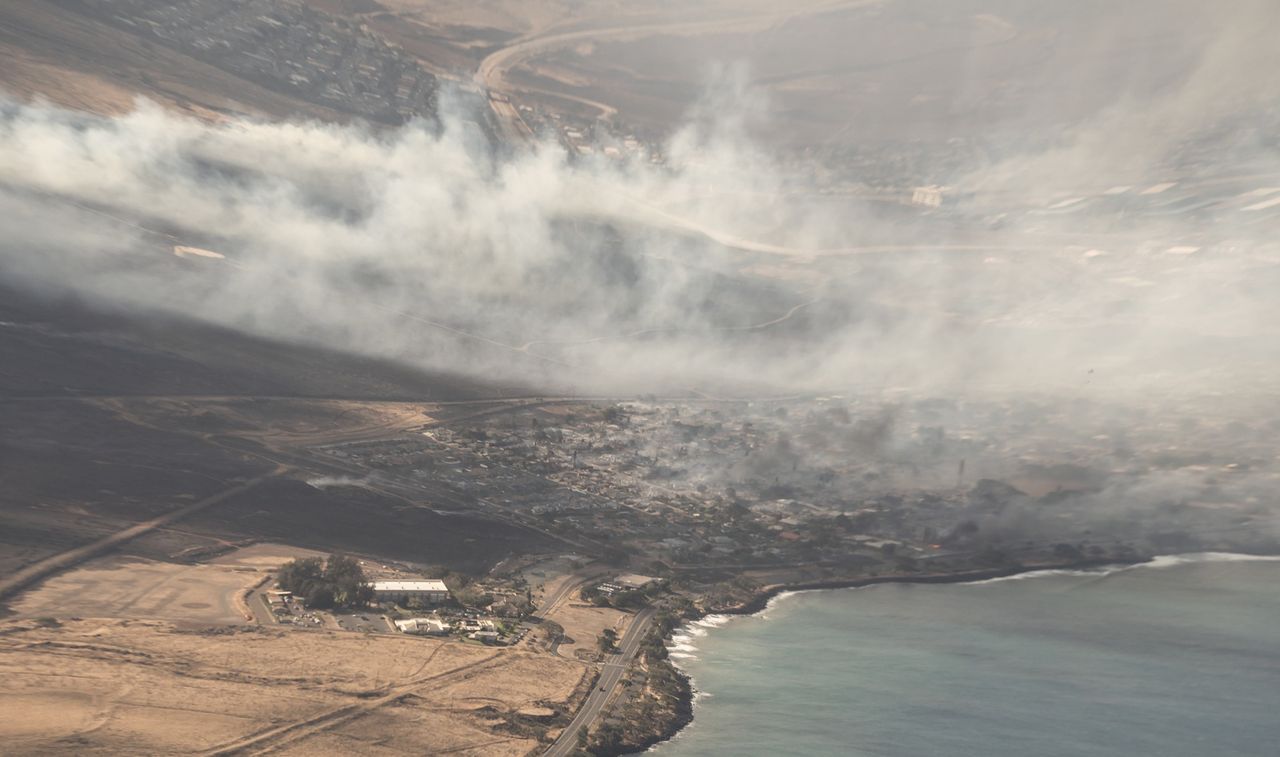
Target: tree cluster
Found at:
x=337, y=582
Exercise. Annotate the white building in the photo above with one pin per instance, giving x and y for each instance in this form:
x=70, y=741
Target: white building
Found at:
x=423, y=626
x=427, y=591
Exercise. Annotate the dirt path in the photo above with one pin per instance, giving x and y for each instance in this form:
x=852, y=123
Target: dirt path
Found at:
x=274, y=738
x=27, y=576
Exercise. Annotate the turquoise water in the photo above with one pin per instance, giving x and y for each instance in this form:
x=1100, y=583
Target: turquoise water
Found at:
x=1179, y=658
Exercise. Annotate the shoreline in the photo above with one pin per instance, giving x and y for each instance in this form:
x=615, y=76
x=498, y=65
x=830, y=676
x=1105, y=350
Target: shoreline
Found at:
x=761, y=599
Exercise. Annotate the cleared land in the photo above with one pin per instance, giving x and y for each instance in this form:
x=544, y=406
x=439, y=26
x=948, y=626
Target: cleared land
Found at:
x=134, y=587
x=583, y=624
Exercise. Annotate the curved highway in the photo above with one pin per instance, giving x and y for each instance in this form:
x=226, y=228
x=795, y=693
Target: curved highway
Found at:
x=611, y=672
x=493, y=68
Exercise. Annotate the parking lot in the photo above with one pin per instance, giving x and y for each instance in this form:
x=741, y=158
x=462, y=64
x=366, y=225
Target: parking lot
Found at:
x=366, y=622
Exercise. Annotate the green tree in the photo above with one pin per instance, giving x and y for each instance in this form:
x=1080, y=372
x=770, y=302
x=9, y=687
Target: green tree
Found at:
x=608, y=640
x=339, y=581
x=607, y=739
x=299, y=576
x=320, y=597
x=345, y=578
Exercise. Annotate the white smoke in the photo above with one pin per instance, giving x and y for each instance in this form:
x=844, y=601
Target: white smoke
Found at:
x=710, y=272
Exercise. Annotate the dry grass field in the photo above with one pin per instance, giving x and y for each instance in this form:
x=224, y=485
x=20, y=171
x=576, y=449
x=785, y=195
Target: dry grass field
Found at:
x=583, y=624
x=100, y=686
x=149, y=657
x=120, y=586
x=130, y=587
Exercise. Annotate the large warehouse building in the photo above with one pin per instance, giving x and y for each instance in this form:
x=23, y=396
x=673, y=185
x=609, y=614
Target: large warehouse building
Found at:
x=427, y=591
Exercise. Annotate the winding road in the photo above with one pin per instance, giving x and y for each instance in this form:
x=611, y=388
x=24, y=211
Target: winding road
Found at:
x=492, y=70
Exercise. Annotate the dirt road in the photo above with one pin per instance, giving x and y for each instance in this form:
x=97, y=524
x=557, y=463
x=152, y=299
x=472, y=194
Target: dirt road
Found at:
x=72, y=557
x=273, y=738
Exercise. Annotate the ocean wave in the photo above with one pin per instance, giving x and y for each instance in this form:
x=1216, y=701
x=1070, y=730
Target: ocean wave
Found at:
x=682, y=645
x=1157, y=562
x=713, y=621
x=774, y=601
x=1168, y=561
x=782, y=596
x=1104, y=570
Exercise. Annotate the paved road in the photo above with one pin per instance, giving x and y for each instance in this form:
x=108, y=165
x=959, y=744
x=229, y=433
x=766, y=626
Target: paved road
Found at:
x=492, y=70
x=257, y=603
x=567, y=588
x=611, y=673
x=565, y=591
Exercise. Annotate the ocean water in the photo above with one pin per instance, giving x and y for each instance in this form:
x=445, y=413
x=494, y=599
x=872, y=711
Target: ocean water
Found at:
x=1178, y=658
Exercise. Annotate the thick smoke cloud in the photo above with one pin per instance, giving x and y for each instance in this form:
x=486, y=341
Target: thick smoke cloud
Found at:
x=715, y=272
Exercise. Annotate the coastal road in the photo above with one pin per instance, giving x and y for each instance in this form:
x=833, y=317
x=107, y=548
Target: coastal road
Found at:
x=610, y=674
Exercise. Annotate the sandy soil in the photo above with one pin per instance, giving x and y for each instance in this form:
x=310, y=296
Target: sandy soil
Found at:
x=119, y=586
x=98, y=685
x=264, y=556
x=27, y=77
x=130, y=587
x=583, y=624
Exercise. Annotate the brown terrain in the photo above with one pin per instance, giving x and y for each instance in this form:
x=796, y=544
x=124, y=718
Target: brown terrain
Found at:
x=139, y=457
x=102, y=686
x=146, y=644
x=147, y=461
x=156, y=471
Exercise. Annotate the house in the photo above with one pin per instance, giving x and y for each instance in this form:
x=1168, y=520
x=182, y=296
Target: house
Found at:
x=426, y=591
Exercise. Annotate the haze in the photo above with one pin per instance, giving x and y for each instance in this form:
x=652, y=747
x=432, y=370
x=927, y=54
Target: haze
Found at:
x=575, y=323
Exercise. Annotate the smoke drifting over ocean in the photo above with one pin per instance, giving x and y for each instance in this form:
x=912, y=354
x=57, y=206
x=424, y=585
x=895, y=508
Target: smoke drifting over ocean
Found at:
x=718, y=271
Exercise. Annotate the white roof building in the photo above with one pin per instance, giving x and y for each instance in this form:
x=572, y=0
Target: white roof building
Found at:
x=429, y=591
x=430, y=626
x=409, y=587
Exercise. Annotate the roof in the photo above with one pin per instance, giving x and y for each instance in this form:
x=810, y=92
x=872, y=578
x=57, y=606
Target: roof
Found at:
x=421, y=624
x=427, y=585
x=634, y=580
